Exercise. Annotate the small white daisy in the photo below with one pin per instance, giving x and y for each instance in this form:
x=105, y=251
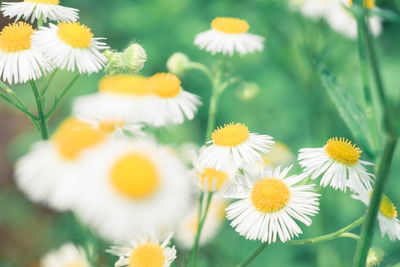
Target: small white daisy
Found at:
x=36, y=9
x=130, y=187
x=20, y=60
x=49, y=172
x=171, y=103
x=234, y=144
x=387, y=216
x=339, y=163
x=66, y=255
x=70, y=45
x=145, y=252
x=269, y=203
x=229, y=35
x=122, y=97
x=187, y=227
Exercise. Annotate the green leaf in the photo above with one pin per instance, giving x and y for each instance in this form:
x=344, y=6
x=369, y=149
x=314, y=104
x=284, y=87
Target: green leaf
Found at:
x=351, y=113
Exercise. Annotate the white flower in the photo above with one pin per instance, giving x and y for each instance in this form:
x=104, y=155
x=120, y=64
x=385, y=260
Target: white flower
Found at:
x=145, y=252
x=171, y=104
x=338, y=161
x=131, y=187
x=70, y=45
x=20, y=60
x=234, y=144
x=268, y=204
x=387, y=216
x=229, y=35
x=49, y=173
x=36, y=9
x=187, y=227
x=67, y=255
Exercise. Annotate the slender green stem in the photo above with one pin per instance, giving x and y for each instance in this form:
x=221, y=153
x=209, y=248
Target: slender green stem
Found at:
x=40, y=22
x=44, y=132
x=202, y=68
x=19, y=107
x=253, y=255
x=382, y=176
x=46, y=86
x=12, y=94
x=61, y=96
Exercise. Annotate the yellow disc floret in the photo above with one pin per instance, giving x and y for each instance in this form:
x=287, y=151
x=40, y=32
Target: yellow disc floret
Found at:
x=230, y=25
x=124, y=84
x=165, y=85
x=270, y=195
x=74, y=136
x=211, y=179
x=16, y=37
x=75, y=34
x=367, y=3
x=135, y=176
x=342, y=150
x=109, y=126
x=387, y=208
x=230, y=135
x=147, y=255
x=45, y=2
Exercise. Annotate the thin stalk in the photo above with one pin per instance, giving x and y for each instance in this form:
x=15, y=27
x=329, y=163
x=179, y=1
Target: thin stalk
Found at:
x=202, y=68
x=338, y=234
x=19, y=107
x=46, y=86
x=44, y=132
x=382, y=176
x=61, y=96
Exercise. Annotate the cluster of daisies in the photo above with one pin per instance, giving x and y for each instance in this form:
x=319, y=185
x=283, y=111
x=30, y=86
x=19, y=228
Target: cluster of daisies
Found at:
x=337, y=14
x=103, y=164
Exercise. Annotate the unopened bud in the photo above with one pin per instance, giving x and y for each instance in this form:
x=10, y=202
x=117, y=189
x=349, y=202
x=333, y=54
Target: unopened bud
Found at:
x=131, y=60
x=375, y=257
x=248, y=91
x=178, y=63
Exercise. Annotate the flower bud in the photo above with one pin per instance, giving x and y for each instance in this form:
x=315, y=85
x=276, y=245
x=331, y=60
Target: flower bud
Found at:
x=248, y=91
x=375, y=257
x=178, y=63
x=131, y=60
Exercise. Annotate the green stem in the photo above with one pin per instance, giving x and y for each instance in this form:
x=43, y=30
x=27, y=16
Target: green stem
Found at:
x=382, y=176
x=46, y=86
x=44, y=132
x=40, y=22
x=61, y=96
x=202, y=68
x=31, y=116
x=253, y=255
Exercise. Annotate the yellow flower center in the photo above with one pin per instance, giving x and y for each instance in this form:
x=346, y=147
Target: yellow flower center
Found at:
x=211, y=177
x=270, y=195
x=109, y=126
x=135, y=176
x=74, y=136
x=387, y=208
x=16, y=37
x=343, y=150
x=230, y=25
x=124, y=84
x=147, y=255
x=367, y=3
x=230, y=135
x=75, y=34
x=46, y=2
x=165, y=85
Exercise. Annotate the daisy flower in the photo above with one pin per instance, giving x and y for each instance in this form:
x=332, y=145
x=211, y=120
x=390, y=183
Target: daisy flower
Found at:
x=229, y=35
x=187, y=227
x=70, y=45
x=172, y=103
x=123, y=97
x=49, y=172
x=268, y=204
x=387, y=216
x=234, y=144
x=145, y=252
x=339, y=163
x=66, y=255
x=20, y=60
x=135, y=187
x=36, y=9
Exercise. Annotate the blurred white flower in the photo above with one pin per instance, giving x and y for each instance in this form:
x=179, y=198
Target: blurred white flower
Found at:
x=145, y=252
x=339, y=163
x=229, y=35
x=268, y=204
x=131, y=187
x=71, y=46
x=36, y=9
x=20, y=59
x=66, y=255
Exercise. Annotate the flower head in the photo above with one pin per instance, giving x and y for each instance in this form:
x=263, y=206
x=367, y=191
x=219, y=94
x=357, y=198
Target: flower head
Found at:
x=178, y=63
x=67, y=255
x=130, y=61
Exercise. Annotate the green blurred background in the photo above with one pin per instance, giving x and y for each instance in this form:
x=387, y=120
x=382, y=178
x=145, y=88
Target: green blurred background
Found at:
x=292, y=106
